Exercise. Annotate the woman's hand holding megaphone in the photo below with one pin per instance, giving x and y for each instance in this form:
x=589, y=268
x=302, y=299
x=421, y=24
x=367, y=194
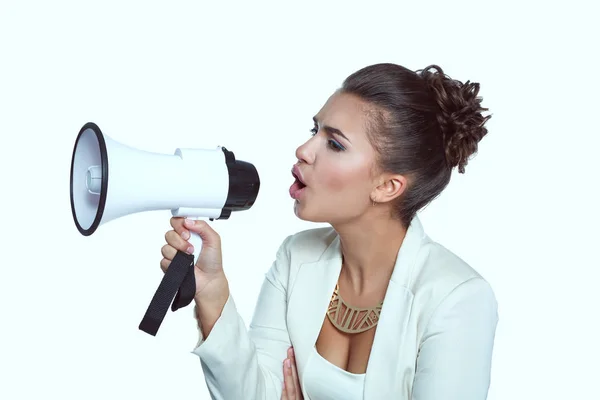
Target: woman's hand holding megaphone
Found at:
x=212, y=288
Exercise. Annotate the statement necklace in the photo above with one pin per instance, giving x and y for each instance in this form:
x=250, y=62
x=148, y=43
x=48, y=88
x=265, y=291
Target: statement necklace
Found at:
x=349, y=319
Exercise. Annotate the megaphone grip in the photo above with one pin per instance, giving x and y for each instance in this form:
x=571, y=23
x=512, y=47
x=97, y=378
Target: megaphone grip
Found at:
x=196, y=241
x=178, y=280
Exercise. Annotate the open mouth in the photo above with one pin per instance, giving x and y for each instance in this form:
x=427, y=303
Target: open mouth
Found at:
x=298, y=181
x=297, y=187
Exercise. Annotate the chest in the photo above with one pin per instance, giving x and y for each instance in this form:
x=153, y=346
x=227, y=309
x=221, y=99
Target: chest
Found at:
x=348, y=351
x=385, y=353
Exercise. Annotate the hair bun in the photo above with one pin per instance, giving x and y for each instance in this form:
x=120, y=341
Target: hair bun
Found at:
x=459, y=117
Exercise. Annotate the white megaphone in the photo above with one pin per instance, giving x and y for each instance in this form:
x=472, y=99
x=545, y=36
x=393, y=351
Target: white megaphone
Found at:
x=110, y=180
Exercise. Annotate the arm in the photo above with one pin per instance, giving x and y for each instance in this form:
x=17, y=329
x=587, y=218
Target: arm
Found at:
x=454, y=360
x=247, y=364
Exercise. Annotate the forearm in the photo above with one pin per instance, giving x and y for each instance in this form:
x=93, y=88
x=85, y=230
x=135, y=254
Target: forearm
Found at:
x=208, y=310
x=242, y=364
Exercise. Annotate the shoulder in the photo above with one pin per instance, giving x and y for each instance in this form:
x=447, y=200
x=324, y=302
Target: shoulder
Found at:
x=304, y=246
x=309, y=243
x=443, y=279
x=441, y=267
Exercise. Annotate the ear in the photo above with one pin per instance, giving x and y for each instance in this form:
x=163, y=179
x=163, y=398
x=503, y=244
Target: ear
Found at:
x=389, y=188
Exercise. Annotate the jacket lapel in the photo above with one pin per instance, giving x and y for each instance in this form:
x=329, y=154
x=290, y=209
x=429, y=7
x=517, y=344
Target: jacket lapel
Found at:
x=307, y=306
x=385, y=367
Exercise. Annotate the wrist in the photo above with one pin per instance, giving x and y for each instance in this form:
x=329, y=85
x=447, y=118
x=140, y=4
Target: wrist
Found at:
x=210, y=304
x=215, y=293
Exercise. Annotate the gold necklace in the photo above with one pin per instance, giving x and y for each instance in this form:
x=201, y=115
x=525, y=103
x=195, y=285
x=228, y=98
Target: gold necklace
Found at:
x=350, y=319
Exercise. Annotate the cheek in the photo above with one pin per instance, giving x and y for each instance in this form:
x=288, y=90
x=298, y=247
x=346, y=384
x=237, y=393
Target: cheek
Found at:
x=334, y=181
x=348, y=179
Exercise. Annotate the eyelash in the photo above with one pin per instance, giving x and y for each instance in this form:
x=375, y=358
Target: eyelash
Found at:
x=332, y=144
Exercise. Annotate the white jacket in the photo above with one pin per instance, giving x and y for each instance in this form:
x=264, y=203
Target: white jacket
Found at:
x=434, y=339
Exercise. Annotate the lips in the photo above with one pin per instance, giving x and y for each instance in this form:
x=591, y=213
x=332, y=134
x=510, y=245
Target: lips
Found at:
x=298, y=175
x=299, y=184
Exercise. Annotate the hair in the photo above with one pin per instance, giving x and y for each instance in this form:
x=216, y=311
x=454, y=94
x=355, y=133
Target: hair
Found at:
x=422, y=124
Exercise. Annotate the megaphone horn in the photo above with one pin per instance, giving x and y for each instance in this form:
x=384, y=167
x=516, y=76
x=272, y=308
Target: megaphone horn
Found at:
x=110, y=180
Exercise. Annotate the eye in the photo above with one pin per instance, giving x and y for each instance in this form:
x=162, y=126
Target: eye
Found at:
x=331, y=143
x=335, y=146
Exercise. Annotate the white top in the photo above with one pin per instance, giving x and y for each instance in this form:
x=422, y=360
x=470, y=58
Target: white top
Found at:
x=326, y=381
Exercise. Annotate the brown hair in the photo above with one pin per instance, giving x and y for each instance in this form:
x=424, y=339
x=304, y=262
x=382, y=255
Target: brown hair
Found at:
x=425, y=124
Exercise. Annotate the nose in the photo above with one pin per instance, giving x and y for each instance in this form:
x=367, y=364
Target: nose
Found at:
x=304, y=153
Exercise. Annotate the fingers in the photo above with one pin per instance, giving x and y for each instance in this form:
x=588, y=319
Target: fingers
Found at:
x=183, y=226
x=177, y=243
x=289, y=387
x=168, y=252
x=292, y=358
x=291, y=383
x=210, y=237
x=164, y=264
x=177, y=224
x=177, y=240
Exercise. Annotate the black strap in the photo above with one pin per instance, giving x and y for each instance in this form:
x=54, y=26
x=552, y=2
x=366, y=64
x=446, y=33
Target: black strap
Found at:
x=178, y=282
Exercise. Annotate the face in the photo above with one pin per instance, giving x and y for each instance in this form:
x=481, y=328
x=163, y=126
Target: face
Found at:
x=336, y=164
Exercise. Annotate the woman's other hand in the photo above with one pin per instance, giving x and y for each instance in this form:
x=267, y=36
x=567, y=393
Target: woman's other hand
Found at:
x=291, y=383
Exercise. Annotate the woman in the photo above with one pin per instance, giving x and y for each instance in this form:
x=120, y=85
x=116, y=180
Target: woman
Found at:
x=369, y=308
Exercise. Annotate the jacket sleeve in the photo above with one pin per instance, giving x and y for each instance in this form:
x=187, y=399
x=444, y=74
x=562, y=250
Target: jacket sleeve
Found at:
x=455, y=357
x=240, y=363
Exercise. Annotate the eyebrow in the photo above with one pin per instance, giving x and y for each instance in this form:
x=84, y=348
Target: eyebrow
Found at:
x=331, y=130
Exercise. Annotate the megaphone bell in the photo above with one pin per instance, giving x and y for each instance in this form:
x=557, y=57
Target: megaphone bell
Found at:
x=110, y=180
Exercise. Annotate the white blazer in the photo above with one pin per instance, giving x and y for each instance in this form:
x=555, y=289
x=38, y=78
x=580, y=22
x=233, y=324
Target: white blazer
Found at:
x=434, y=339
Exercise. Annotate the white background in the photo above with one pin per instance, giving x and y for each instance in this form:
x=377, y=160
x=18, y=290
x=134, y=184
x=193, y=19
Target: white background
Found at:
x=250, y=76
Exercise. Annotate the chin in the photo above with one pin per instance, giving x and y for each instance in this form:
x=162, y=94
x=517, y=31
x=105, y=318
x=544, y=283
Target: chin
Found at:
x=300, y=211
x=305, y=214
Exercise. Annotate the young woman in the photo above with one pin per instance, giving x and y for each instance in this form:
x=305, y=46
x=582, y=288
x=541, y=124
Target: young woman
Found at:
x=370, y=307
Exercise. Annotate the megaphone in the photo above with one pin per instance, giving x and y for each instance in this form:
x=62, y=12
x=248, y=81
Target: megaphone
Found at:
x=111, y=180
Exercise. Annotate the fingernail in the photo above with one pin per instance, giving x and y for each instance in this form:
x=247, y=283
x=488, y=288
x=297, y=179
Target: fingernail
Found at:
x=185, y=235
x=287, y=363
x=188, y=222
x=190, y=250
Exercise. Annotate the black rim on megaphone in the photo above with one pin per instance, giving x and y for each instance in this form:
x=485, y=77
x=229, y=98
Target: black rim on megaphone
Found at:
x=104, y=185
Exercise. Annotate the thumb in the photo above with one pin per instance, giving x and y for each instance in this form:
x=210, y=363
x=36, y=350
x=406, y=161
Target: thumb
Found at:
x=210, y=237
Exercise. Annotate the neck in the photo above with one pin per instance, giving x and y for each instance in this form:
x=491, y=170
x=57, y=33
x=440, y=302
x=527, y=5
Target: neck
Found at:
x=369, y=250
